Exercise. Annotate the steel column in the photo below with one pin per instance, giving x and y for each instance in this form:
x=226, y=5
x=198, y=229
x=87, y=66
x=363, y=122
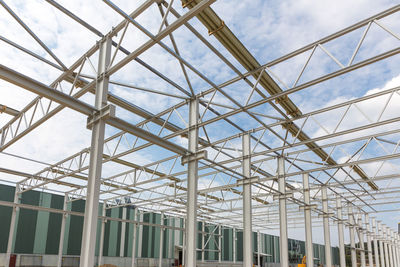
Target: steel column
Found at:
x=234, y=245
x=369, y=244
x=283, y=240
x=375, y=240
x=327, y=232
x=381, y=245
x=389, y=244
x=361, y=240
x=160, y=256
x=123, y=234
x=342, y=252
x=101, y=245
x=12, y=225
x=96, y=157
x=62, y=232
x=385, y=247
x=352, y=237
x=137, y=218
x=308, y=221
x=191, y=206
x=258, y=249
x=247, y=220
x=220, y=244
x=203, y=229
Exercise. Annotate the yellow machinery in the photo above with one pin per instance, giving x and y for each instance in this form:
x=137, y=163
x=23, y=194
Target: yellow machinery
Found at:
x=303, y=262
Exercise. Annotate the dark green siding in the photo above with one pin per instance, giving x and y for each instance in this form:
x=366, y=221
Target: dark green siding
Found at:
x=53, y=236
x=6, y=194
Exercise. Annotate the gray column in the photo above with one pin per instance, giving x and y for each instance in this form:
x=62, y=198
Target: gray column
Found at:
x=96, y=156
x=389, y=242
x=234, y=245
x=386, y=247
x=258, y=249
x=203, y=229
x=137, y=218
x=191, y=205
x=327, y=232
x=103, y=226
x=308, y=221
x=283, y=240
x=342, y=252
x=369, y=244
x=381, y=245
x=123, y=234
x=375, y=240
x=247, y=224
x=161, y=241
x=361, y=240
x=62, y=232
x=220, y=243
x=12, y=225
x=352, y=237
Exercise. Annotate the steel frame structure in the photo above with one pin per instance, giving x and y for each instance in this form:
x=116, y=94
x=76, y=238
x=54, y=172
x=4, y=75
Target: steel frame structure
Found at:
x=257, y=177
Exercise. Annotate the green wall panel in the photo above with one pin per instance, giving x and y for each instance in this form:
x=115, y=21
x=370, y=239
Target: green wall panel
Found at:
x=54, y=226
x=26, y=226
x=6, y=194
x=75, y=229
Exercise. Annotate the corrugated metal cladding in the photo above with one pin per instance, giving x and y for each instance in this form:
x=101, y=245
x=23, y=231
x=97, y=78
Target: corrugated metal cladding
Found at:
x=38, y=233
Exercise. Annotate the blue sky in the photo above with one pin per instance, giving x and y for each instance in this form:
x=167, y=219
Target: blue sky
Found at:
x=269, y=29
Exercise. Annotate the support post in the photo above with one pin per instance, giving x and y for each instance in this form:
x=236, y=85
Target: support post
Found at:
x=62, y=232
x=161, y=241
x=381, y=245
x=96, y=157
x=12, y=225
x=234, y=245
x=369, y=244
x=389, y=244
x=220, y=243
x=361, y=240
x=191, y=206
x=137, y=216
x=352, y=237
x=258, y=249
x=327, y=232
x=342, y=252
x=123, y=234
x=375, y=240
x=283, y=240
x=386, y=247
x=203, y=229
x=247, y=219
x=308, y=221
x=103, y=226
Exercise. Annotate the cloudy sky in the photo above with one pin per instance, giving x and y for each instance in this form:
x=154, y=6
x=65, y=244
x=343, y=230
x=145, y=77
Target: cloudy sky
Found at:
x=269, y=29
